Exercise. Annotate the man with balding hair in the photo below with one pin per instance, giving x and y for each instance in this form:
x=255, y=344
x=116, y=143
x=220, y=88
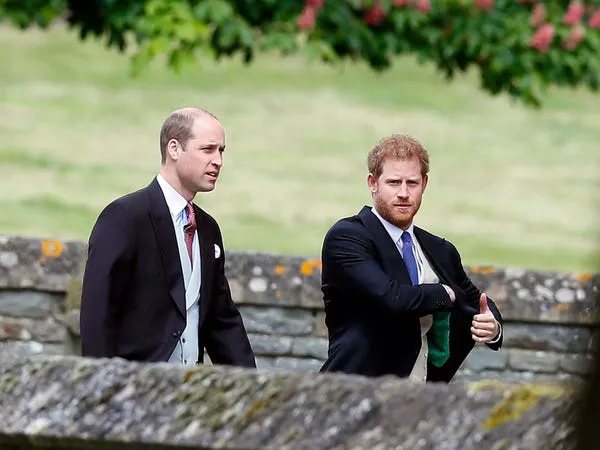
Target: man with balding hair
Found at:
x=154, y=286
x=397, y=299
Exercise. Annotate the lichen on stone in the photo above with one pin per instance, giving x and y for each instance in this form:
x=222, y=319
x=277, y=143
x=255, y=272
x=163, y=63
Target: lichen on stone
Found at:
x=7, y=384
x=517, y=400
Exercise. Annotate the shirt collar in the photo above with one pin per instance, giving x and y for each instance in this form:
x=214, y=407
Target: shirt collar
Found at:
x=174, y=199
x=394, y=231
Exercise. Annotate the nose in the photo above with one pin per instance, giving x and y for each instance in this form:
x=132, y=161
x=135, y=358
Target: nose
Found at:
x=217, y=161
x=402, y=191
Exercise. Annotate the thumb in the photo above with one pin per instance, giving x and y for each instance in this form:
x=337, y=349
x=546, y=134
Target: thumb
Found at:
x=483, y=304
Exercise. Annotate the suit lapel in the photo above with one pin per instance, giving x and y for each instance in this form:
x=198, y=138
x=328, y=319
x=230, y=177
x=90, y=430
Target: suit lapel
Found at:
x=391, y=259
x=389, y=251
x=433, y=252
x=167, y=243
x=207, y=259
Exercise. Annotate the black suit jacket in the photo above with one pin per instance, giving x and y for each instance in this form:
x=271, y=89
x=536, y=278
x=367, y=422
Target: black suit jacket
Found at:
x=372, y=310
x=133, y=295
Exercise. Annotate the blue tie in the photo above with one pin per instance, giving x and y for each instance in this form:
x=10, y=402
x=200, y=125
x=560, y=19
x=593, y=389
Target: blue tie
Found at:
x=409, y=257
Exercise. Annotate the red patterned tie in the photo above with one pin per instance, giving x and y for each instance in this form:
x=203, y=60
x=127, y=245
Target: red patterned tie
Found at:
x=190, y=228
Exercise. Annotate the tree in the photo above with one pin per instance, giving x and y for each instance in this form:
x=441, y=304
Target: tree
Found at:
x=520, y=47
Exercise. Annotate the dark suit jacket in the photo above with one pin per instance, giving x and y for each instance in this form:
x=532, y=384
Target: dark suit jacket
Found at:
x=372, y=310
x=133, y=296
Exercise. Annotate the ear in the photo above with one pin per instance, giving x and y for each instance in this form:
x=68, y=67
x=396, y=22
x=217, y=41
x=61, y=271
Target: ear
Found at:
x=173, y=148
x=425, y=180
x=372, y=182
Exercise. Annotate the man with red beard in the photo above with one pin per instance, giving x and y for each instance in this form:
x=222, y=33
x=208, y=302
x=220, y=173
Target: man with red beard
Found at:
x=397, y=298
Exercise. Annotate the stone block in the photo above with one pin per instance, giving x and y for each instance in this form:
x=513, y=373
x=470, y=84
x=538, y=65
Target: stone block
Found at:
x=13, y=328
x=264, y=362
x=507, y=376
x=511, y=376
x=310, y=347
x=41, y=264
x=284, y=321
x=320, y=328
x=267, y=279
x=73, y=345
x=557, y=338
x=534, y=361
x=27, y=303
x=298, y=364
x=270, y=344
x=22, y=349
x=576, y=364
x=70, y=321
x=562, y=378
x=539, y=295
x=73, y=294
x=482, y=358
x=26, y=329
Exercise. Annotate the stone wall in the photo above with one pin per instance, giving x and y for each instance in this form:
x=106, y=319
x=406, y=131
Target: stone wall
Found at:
x=74, y=403
x=550, y=330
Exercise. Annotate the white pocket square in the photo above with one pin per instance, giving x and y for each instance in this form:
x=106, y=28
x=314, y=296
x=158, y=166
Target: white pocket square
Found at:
x=217, y=251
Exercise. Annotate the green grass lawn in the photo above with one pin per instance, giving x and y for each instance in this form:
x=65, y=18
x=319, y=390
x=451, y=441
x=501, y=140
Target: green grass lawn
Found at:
x=509, y=186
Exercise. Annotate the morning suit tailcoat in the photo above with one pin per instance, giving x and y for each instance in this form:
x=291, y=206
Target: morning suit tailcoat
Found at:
x=372, y=310
x=133, y=296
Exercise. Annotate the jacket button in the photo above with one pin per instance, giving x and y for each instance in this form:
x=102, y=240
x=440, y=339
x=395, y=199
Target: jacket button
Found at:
x=175, y=333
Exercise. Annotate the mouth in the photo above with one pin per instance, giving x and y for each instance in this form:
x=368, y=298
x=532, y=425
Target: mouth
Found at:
x=213, y=175
x=402, y=207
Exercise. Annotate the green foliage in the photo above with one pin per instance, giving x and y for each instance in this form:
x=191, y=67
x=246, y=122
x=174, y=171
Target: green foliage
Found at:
x=494, y=36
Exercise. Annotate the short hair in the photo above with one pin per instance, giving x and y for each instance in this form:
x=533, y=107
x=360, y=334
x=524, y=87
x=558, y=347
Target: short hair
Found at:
x=179, y=126
x=397, y=146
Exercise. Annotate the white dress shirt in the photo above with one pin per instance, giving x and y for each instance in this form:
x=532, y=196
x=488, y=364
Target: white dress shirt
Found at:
x=186, y=351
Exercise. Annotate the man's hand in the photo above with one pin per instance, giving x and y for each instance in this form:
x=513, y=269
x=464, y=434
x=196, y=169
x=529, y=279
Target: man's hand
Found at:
x=485, y=327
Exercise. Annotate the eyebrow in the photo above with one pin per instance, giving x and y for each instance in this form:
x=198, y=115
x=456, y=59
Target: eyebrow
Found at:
x=213, y=144
x=391, y=178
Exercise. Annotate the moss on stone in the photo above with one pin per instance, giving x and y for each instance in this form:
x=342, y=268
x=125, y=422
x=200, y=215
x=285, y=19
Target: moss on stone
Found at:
x=517, y=400
x=8, y=383
x=256, y=407
x=292, y=435
x=259, y=406
x=80, y=370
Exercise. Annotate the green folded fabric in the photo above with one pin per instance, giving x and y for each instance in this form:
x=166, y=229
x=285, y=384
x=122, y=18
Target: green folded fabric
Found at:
x=438, y=339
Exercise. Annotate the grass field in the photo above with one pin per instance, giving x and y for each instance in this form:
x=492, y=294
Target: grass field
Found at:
x=509, y=186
